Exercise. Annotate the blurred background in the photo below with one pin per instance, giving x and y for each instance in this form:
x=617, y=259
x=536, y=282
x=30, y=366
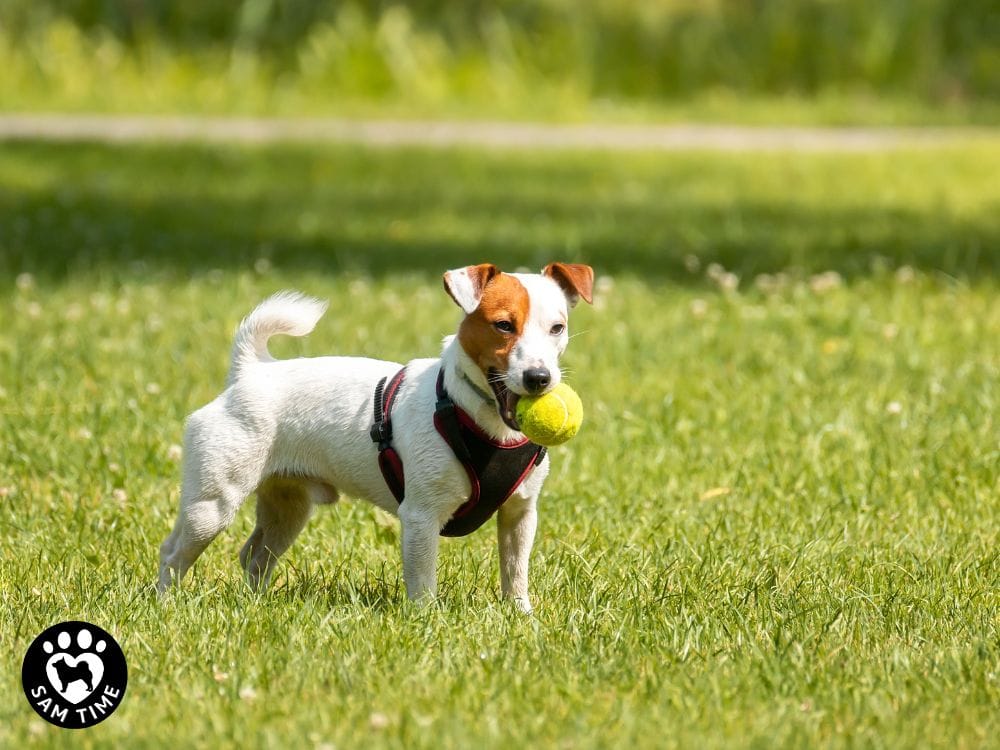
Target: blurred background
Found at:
x=811, y=61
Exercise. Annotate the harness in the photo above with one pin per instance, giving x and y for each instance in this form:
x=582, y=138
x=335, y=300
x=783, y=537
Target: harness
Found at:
x=494, y=469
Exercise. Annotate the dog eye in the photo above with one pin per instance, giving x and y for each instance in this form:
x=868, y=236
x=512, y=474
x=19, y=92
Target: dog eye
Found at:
x=504, y=326
x=557, y=329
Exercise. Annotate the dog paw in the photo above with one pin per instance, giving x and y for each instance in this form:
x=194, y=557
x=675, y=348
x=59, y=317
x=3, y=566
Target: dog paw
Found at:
x=522, y=603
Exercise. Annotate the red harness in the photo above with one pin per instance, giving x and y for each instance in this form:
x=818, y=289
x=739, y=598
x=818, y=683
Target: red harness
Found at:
x=494, y=469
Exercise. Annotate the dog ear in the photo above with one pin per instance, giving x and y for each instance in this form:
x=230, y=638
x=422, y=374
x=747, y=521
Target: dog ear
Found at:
x=466, y=285
x=575, y=279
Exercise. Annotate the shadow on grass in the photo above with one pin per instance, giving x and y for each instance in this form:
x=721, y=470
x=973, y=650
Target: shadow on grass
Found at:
x=69, y=209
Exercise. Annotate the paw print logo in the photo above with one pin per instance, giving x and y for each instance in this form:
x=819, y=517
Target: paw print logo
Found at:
x=74, y=674
x=75, y=678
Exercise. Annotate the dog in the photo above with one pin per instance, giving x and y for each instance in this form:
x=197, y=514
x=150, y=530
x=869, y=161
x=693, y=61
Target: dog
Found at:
x=71, y=673
x=299, y=432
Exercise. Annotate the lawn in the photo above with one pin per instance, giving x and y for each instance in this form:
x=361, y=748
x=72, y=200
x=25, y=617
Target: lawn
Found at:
x=779, y=526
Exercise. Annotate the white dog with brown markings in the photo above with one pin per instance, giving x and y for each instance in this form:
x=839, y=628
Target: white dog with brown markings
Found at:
x=300, y=431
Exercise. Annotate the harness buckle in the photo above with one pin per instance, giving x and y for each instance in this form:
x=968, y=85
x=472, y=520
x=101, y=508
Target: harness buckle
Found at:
x=381, y=433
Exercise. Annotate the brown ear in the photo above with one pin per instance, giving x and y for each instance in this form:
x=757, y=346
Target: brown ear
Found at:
x=466, y=285
x=576, y=280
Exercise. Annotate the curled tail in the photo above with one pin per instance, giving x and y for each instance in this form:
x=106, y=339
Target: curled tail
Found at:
x=290, y=313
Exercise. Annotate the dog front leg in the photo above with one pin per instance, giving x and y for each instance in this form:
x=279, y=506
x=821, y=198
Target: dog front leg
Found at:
x=516, y=523
x=420, y=547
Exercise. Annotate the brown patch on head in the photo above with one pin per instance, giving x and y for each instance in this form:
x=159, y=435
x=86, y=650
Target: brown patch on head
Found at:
x=504, y=299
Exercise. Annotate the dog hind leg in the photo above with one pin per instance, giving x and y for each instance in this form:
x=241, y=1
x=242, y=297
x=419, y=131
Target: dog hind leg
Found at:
x=201, y=519
x=223, y=463
x=283, y=507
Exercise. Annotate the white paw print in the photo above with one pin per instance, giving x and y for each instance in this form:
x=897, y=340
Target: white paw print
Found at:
x=83, y=639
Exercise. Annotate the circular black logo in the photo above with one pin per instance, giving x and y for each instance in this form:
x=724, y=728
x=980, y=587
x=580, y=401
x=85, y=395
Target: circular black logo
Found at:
x=74, y=675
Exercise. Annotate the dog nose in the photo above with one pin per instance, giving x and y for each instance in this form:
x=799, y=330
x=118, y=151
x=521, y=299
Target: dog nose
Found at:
x=536, y=379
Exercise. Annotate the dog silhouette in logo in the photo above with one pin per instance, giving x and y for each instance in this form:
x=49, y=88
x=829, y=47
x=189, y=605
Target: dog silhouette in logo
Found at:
x=71, y=673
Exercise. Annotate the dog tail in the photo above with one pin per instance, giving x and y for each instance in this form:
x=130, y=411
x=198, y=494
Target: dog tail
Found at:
x=289, y=313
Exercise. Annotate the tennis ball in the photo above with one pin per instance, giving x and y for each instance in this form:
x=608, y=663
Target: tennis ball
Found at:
x=550, y=419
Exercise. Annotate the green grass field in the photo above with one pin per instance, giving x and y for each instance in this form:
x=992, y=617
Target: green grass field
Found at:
x=778, y=527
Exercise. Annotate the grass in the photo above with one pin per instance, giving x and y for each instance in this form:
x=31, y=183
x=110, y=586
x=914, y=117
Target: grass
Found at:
x=779, y=526
x=799, y=61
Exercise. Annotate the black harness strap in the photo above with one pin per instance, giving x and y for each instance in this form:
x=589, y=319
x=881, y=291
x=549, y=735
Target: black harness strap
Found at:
x=389, y=461
x=495, y=469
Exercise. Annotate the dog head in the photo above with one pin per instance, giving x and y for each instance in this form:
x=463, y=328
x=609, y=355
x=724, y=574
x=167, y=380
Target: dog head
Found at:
x=516, y=325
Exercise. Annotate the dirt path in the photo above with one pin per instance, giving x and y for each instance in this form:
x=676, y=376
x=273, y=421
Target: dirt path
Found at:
x=115, y=128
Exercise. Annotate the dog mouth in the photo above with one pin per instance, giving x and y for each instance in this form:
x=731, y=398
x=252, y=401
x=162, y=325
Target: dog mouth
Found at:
x=506, y=400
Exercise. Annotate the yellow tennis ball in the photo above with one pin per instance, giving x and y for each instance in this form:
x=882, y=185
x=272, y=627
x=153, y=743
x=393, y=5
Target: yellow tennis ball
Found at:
x=550, y=419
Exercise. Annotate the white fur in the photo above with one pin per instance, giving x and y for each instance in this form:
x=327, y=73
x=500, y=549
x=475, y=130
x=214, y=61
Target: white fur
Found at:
x=290, y=313
x=296, y=432
x=538, y=346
